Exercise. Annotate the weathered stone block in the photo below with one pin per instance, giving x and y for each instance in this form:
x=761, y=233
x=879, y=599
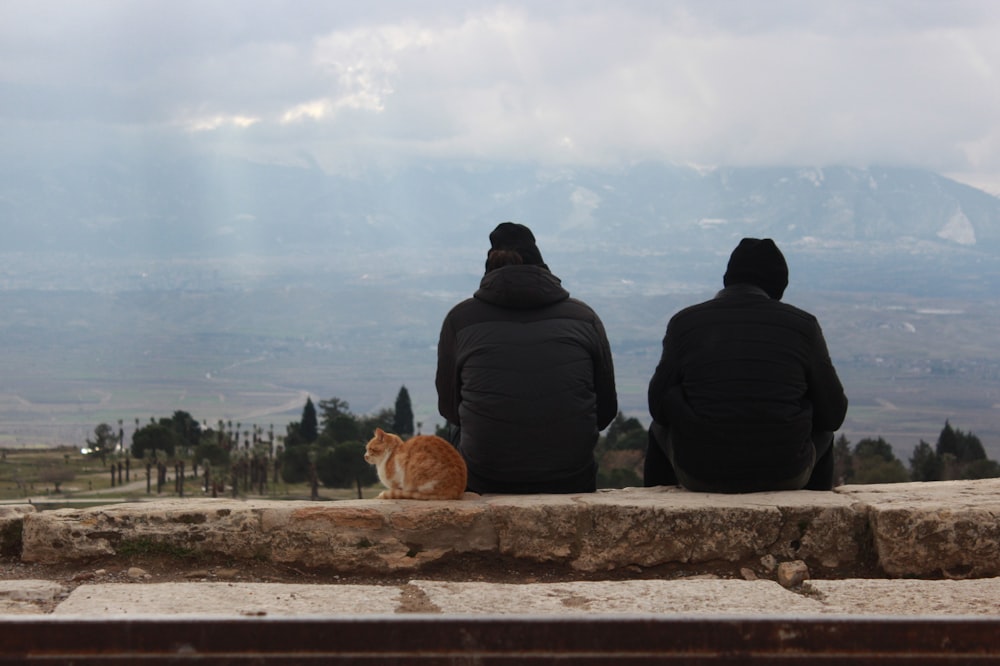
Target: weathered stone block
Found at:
x=11, y=526
x=379, y=535
x=352, y=535
x=540, y=528
x=949, y=528
x=654, y=526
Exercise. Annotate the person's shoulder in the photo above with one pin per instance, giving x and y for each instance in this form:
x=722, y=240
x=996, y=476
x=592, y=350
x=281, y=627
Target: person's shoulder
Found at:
x=794, y=318
x=460, y=313
x=578, y=303
x=464, y=304
x=581, y=308
x=720, y=309
x=794, y=311
x=695, y=309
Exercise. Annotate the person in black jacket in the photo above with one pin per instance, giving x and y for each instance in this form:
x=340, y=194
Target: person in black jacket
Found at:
x=525, y=373
x=745, y=397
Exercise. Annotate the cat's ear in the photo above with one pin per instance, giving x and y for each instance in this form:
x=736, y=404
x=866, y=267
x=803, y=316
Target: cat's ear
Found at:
x=379, y=434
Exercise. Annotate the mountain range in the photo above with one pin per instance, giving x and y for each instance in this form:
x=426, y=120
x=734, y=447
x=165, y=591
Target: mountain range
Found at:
x=220, y=206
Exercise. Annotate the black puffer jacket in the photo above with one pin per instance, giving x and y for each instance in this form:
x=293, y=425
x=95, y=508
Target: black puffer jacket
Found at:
x=525, y=371
x=743, y=381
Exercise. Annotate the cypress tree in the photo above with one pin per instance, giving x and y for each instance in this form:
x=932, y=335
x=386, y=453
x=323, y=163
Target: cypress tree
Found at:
x=402, y=422
x=947, y=441
x=309, y=426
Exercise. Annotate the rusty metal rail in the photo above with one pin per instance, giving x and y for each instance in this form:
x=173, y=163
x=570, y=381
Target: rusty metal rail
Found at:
x=522, y=640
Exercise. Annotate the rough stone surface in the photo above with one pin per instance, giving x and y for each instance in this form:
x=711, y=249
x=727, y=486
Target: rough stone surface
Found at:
x=919, y=529
x=234, y=599
x=908, y=597
x=947, y=528
x=28, y=597
x=590, y=532
x=11, y=522
x=792, y=574
x=687, y=597
x=421, y=596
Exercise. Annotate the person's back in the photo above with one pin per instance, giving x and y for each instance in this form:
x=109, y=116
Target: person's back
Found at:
x=525, y=371
x=745, y=396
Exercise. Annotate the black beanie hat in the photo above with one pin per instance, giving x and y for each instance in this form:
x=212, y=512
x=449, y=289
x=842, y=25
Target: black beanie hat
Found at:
x=758, y=262
x=517, y=237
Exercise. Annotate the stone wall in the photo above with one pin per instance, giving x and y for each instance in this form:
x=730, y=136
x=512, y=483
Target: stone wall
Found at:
x=945, y=529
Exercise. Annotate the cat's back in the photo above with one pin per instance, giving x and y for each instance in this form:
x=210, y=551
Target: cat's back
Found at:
x=430, y=442
x=433, y=445
x=432, y=457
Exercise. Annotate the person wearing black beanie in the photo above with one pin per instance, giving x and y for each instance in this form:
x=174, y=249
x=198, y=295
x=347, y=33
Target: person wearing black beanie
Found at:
x=525, y=377
x=514, y=237
x=758, y=262
x=745, y=397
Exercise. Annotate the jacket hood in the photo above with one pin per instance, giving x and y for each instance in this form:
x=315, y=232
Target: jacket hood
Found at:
x=522, y=287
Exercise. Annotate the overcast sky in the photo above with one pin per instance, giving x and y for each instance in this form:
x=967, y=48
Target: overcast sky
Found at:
x=348, y=85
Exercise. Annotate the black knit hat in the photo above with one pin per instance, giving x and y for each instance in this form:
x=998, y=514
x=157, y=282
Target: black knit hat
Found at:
x=517, y=237
x=758, y=262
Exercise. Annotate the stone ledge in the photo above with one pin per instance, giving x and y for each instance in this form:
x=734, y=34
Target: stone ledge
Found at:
x=689, y=597
x=949, y=529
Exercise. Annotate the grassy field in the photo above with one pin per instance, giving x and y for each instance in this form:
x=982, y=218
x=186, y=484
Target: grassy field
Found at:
x=32, y=474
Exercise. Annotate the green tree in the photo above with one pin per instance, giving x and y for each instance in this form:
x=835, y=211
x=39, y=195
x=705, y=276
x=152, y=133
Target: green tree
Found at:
x=981, y=469
x=338, y=421
x=878, y=470
x=104, y=442
x=620, y=452
x=970, y=449
x=293, y=435
x=950, y=467
x=295, y=463
x=211, y=450
x=874, y=462
x=332, y=409
x=868, y=448
x=966, y=447
x=843, y=461
x=309, y=425
x=947, y=441
x=155, y=437
x=343, y=466
x=402, y=423
x=382, y=419
x=343, y=428
x=925, y=463
x=186, y=427
x=625, y=433
x=962, y=455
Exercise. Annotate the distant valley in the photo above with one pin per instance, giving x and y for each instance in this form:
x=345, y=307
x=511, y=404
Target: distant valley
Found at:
x=75, y=359
x=125, y=307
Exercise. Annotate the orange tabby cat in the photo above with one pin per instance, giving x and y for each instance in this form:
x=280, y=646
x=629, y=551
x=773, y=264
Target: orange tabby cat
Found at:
x=424, y=467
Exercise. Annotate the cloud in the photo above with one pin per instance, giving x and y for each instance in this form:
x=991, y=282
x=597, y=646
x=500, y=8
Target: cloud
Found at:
x=711, y=82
